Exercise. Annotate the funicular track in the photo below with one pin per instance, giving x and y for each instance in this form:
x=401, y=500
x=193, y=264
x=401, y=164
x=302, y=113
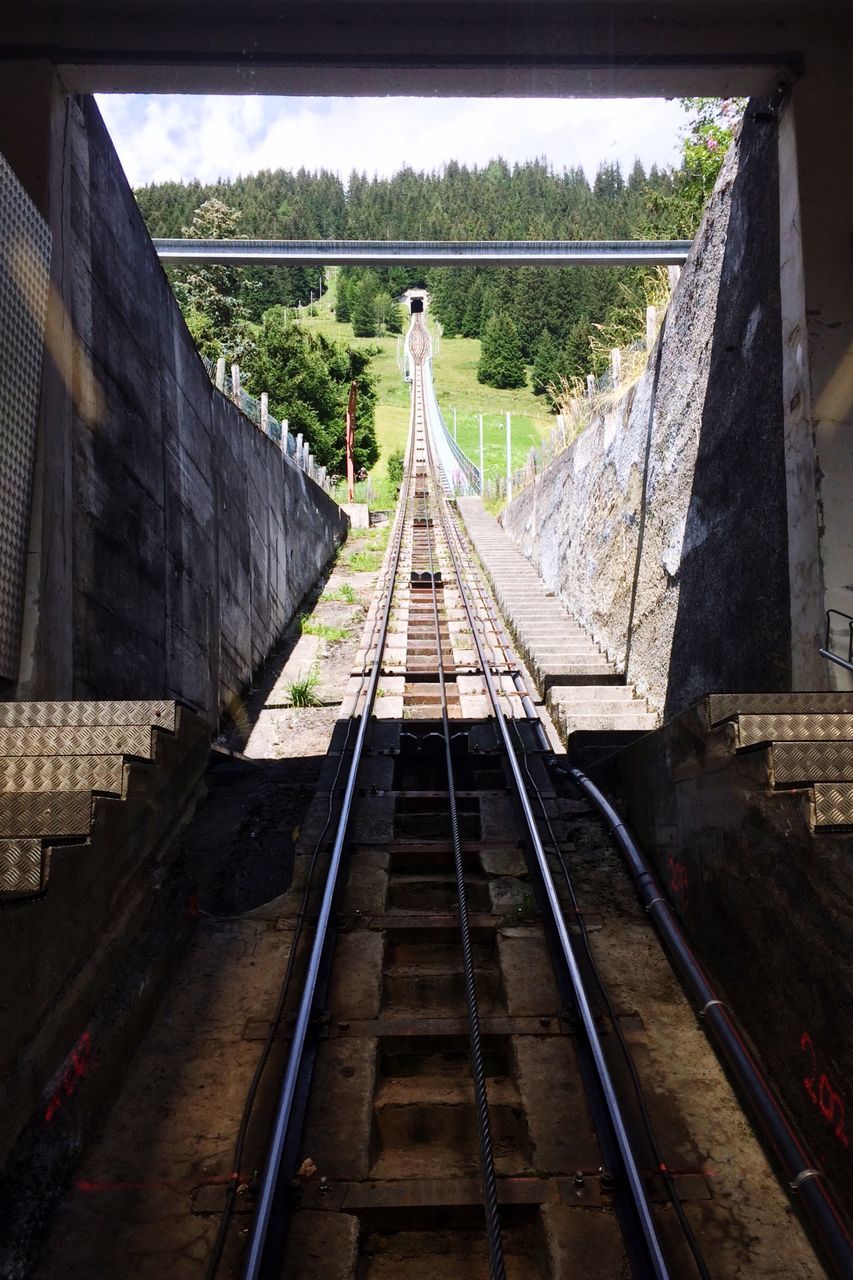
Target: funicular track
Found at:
x=459, y=1098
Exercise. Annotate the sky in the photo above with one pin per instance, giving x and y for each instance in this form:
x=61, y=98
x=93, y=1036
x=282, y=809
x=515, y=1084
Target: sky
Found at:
x=179, y=137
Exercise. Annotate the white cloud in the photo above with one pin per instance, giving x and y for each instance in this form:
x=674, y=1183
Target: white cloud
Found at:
x=181, y=137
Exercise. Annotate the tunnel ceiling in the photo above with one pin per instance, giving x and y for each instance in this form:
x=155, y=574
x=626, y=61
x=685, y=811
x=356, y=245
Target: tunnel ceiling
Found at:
x=615, y=47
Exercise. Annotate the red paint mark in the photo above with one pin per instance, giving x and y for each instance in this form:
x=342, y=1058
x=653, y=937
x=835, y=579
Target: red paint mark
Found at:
x=821, y=1092
x=158, y=1184
x=194, y=907
x=75, y=1068
x=678, y=882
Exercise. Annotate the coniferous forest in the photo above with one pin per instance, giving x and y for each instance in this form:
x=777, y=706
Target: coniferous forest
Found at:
x=547, y=317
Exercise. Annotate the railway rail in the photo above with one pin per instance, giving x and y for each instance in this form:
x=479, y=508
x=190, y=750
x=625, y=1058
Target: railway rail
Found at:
x=461, y=1097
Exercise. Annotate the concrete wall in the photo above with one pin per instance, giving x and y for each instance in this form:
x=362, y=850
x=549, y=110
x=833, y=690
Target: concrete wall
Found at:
x=665, y=526
x=766, y=901
x=171, y=542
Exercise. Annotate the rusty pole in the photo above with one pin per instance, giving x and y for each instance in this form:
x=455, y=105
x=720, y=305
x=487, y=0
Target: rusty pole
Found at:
x=350, y=437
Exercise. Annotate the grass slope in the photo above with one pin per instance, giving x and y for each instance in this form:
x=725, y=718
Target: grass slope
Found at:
x=456, y=386
x=455, y=371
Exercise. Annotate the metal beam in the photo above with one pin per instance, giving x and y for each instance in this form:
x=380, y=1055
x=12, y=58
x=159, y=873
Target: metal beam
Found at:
x=431, y=253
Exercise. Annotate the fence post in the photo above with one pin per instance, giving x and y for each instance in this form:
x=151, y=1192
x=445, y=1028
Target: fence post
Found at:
x=310, y=467
x=590, y=385
x=674, y=274
x=265, y=413
x=220, y=374
x=298, y=455
x=235, y=382
x=482, y=468
x=508, y=459
x=616, y=366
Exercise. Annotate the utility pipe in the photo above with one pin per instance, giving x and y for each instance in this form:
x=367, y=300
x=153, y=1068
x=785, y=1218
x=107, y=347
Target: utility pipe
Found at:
x=804, y=1180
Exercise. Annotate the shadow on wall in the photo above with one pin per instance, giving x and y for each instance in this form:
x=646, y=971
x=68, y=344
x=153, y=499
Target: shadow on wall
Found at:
x=732, y=627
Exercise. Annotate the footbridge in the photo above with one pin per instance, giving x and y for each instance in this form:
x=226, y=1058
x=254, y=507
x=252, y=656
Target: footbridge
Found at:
x=427, y=253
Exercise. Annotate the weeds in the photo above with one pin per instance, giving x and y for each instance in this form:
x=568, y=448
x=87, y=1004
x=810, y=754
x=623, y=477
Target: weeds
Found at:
x=302, y=692
x=364, y=561
x=313, y=627
x=346, y=593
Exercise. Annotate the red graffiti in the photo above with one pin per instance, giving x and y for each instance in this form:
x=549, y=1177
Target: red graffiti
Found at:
x=678, y=882
x=820, y=1091
x=75, y=1069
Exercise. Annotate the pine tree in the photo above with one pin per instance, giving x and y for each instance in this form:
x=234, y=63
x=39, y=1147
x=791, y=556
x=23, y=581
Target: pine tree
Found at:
x=342, y=299
x=578, y=355
x=210, y=296
x=389, y=317
x=501, y=362
x=546, y=366
x=363, y=306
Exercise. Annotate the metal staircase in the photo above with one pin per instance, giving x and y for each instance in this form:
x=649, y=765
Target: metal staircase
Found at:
x=808, y=741
x=66, y=766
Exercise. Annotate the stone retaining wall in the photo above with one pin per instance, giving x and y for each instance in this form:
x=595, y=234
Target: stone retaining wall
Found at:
x=664, y=527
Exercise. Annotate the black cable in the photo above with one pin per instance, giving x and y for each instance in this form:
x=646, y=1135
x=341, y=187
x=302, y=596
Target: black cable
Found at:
x=497, y=1270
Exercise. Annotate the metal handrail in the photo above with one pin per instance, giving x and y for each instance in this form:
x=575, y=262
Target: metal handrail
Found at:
x=469, y=469
x=827, y=651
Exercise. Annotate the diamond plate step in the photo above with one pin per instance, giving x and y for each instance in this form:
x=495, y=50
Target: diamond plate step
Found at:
x=62, y=773
x=833, y=804
x=755, y=729
x=808, y=762
x=135, y=740
x=36, y=813
x=724, y=706
x=23, y=868
x=18, y=715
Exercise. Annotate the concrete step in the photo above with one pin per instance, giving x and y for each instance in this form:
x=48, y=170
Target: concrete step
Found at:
x=581, y=674
x=569, y=711
x=611, y=723
x=570, y=649
x=568, y=695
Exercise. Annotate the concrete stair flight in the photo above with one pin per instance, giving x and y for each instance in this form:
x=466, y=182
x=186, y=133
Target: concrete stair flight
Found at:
x=808, y=741
x=64, y=766
x=582, y=688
